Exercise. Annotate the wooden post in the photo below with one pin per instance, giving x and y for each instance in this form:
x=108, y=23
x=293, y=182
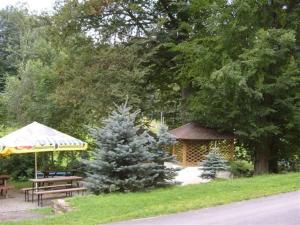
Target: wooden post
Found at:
x=207, y=147
x=184, y=154
x=232, y=149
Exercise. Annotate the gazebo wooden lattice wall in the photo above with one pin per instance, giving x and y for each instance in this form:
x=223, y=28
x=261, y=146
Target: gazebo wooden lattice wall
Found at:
x=195, y=141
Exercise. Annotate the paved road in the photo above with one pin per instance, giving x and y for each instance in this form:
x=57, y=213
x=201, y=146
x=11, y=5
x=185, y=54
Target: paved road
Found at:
x=282, y=209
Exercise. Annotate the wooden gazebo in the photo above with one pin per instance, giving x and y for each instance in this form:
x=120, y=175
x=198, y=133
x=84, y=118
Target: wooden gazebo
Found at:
x=194, y=142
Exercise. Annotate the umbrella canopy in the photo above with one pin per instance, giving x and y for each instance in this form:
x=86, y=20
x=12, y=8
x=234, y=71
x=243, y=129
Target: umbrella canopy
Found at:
x=37, y=137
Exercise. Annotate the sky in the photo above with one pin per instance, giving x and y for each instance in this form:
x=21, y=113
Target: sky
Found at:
x=33, y=5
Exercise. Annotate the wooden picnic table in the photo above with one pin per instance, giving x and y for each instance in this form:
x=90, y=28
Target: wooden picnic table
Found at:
x=4, y=179
x=56, y=179
x=39, y=183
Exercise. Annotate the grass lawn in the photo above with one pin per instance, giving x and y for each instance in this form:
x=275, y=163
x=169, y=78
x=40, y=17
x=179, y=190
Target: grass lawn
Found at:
x=114, y=207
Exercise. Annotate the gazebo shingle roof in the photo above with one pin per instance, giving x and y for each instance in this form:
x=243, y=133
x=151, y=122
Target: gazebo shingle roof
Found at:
x=194, y=131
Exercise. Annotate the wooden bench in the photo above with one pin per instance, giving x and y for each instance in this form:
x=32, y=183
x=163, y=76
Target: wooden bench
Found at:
x=27, y=190
x=67, y=191
x=4, y=189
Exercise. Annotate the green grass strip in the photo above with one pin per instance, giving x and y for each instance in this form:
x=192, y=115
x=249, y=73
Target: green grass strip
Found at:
x=115, y=207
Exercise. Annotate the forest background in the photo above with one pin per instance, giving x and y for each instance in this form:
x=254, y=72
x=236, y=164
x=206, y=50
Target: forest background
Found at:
x=230, y=65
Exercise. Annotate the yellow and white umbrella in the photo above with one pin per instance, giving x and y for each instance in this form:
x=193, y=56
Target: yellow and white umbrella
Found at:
x=35, y=138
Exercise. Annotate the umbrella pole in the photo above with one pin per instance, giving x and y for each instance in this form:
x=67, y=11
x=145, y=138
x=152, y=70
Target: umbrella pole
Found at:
x=35, y=165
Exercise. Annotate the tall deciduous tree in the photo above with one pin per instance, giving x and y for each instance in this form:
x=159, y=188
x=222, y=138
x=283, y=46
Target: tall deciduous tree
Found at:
x=15, y=25
x=151, y=29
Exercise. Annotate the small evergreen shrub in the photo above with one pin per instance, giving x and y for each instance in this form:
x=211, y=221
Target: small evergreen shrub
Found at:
x=241, y=168
x=213, y=163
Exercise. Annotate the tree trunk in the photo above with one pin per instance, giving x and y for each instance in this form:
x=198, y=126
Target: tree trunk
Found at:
x=186, y=91
x=262, y=158
x=273, y=162
x=266, y=159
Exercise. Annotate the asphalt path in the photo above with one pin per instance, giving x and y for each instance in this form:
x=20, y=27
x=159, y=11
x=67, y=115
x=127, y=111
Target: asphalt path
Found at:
x=281, y=209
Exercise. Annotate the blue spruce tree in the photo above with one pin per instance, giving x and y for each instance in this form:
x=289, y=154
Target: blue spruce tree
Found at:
x=213, y=163
x=123, y=159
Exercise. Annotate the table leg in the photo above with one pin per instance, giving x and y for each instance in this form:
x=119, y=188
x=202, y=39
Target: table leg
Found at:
x=33, y=186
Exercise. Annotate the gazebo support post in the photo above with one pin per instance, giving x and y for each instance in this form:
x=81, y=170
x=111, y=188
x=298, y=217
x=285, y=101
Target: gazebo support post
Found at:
x=173, y=150
x=231, y=149
x=184, y=154
x=207, y=147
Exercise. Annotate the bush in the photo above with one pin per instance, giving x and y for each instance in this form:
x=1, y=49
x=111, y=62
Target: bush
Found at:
x=289, y=165
x=242, y=153
x=241, y=168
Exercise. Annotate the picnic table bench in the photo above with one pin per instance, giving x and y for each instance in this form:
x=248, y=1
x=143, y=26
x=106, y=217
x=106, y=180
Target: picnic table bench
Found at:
x=68, y=192
x=28, y=190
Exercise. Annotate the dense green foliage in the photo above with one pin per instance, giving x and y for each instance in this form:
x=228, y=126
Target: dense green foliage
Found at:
x=241, y=168
x=104, y=209
x=19, y=168
x=125, y=160
x=231, y=65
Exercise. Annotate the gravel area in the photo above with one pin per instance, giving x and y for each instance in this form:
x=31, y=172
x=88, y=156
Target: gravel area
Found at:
x=187, y=175
x=15, y=208
x=15, y=202
x=20, y=215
